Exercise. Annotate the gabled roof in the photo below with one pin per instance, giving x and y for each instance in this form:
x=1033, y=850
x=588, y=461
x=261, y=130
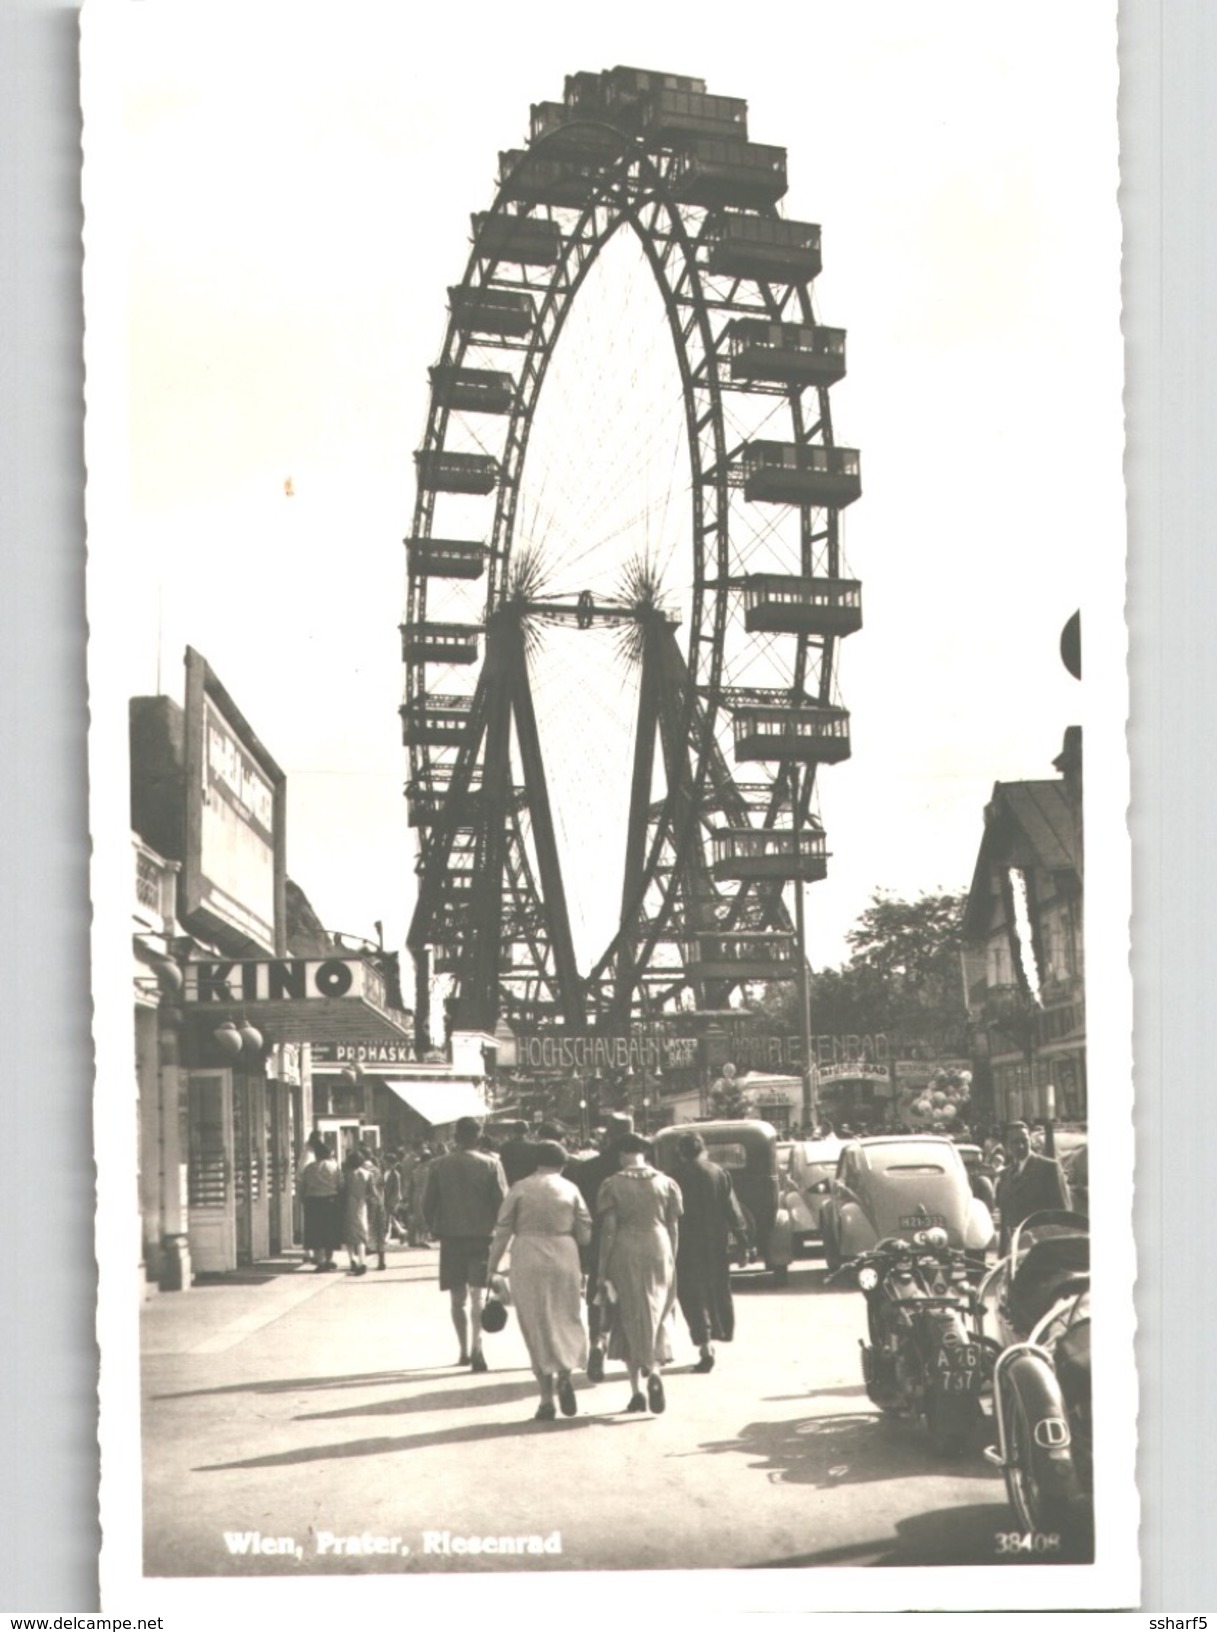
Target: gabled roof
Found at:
x=1042, y=812
x=1029, y=824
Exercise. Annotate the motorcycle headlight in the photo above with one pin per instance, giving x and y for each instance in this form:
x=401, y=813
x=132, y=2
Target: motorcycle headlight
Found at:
x=936, y=1237
x=868, y=1278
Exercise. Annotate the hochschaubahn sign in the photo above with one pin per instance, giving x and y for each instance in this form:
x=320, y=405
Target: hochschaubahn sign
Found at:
x=586, y=1051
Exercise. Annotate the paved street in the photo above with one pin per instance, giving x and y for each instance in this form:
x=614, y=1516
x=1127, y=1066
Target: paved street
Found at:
x=320, y=1416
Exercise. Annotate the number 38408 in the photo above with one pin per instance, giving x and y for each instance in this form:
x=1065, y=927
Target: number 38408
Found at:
x=1026, y=1541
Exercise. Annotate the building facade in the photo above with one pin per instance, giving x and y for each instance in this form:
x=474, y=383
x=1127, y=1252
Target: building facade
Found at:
x=1024, y=928
x=235, y=981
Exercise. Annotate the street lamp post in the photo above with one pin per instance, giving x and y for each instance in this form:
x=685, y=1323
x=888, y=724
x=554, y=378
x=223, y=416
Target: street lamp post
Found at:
x=809, y=1106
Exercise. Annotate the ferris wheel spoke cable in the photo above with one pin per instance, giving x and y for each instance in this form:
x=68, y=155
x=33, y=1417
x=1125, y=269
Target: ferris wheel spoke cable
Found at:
x=619, y=478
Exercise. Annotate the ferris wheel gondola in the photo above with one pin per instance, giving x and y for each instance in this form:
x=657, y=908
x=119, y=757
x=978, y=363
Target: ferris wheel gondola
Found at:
x=731, y=641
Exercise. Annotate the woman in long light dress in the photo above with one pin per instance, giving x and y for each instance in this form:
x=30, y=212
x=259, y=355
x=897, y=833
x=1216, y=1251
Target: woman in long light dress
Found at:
x=545, y=1220
x=639, y=1210
x=356, y=1194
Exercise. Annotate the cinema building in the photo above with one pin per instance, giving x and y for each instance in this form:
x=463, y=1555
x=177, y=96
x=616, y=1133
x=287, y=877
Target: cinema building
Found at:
x=235, y=983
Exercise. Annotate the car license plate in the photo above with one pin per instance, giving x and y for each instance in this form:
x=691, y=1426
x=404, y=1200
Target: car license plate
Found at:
x=922, y=1221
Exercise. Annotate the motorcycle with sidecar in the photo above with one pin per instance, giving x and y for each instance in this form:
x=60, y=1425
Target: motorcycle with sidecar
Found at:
x=1038, y=1300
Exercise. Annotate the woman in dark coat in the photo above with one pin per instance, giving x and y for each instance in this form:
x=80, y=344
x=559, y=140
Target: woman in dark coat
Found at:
x=712, y=1215
x=318, y=1186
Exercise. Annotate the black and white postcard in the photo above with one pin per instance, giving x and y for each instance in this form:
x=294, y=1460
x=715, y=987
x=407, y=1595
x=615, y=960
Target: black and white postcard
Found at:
x=608, y=790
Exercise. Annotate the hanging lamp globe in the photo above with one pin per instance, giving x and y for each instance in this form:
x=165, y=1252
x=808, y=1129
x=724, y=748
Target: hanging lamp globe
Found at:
x=168, y=976
x=228, y=1039
x=251, y=1038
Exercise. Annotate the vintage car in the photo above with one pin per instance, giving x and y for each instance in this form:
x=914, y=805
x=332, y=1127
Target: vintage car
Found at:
x=895, y=1185
x=980, y=1174
x=807, y=1177
x=749, y=1152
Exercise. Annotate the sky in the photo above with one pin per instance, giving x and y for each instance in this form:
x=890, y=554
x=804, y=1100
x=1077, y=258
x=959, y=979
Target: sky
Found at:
x=278, y=199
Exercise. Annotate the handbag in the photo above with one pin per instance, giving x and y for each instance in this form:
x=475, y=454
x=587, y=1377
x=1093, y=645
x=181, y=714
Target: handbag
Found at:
x=494, y=1315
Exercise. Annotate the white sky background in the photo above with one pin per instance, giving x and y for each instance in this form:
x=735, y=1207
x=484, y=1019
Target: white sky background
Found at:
x=298, y=184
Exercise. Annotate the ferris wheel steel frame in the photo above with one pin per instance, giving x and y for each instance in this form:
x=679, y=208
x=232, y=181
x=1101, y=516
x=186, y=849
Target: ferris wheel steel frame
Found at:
x=501, y=931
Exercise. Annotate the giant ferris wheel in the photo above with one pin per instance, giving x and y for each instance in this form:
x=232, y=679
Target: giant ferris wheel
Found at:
x=626, y=577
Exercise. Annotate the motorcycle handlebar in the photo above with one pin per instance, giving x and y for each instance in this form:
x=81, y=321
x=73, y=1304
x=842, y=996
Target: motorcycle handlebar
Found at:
x=891, y=1249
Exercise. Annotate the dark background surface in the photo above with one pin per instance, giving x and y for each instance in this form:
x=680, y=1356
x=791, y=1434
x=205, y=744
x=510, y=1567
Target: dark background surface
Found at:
x=48, y=1470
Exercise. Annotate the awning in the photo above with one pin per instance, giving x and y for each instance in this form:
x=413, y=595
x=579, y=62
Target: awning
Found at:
x=324, y=1020
x=438, y=1101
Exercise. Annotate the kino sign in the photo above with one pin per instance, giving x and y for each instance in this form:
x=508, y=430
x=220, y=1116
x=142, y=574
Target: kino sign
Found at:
x=269, y=980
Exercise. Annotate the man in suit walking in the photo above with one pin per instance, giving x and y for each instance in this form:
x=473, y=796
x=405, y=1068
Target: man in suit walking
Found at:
x=1030, y=1184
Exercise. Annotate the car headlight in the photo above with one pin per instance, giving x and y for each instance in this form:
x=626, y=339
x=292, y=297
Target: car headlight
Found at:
x=868, y=1278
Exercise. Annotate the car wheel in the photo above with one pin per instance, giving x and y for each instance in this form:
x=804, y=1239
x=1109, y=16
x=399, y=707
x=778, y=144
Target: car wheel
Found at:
x=832, y=1257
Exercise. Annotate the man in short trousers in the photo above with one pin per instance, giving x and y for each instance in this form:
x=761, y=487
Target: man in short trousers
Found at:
x=464, y=1192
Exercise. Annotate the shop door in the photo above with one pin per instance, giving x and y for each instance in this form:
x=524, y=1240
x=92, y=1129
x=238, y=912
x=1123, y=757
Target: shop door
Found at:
x=341, y=1133
x=249, y=1137
x=210, y=1187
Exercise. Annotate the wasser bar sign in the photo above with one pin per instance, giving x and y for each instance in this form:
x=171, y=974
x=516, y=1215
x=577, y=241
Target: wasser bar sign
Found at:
x=270, y=980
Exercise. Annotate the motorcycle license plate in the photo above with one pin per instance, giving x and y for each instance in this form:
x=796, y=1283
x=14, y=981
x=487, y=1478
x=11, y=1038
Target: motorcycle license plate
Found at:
x=922, y=1221
x=958, y=1370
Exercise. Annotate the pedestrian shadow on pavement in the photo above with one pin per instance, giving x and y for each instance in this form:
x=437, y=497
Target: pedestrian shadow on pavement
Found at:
x=852, y=1390
x=470, y=1433
x=847, y=1449
x=498, y=1393
x=285, y=1385
x=948, y=1535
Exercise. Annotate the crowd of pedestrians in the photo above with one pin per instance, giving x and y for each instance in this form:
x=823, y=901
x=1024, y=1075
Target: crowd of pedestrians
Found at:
x=603, y=1248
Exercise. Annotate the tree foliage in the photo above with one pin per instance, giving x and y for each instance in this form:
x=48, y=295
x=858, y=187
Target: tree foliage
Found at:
x=904, y=972
x=912, y=947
